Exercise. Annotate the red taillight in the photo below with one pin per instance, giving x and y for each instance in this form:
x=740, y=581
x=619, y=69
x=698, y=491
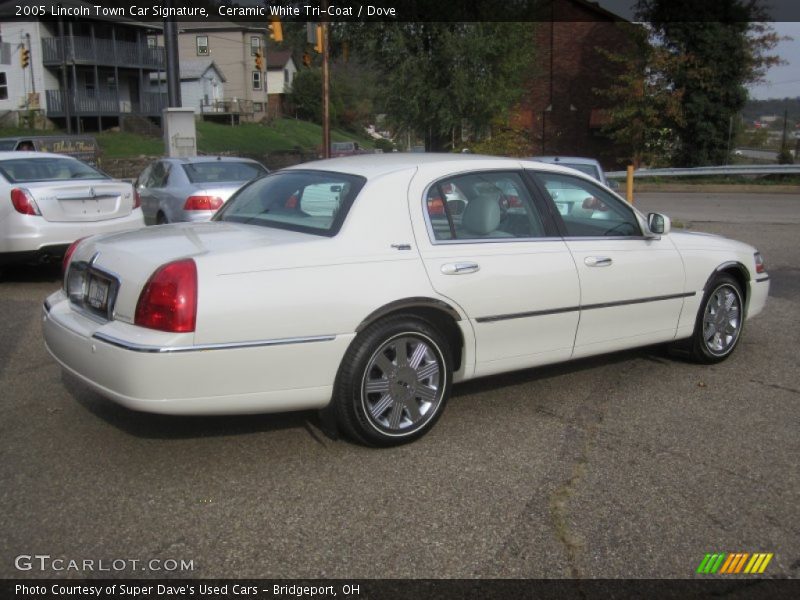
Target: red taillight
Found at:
x=169, y=300
x=23, y=202
x=137, y=199
x=202, y=203
x=761, y=266
x=68, y=255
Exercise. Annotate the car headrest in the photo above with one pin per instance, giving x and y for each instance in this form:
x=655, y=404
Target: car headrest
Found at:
x=482, y=214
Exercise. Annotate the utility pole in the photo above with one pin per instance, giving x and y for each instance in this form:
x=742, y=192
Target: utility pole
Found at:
x=326, y=89
x=173, y=61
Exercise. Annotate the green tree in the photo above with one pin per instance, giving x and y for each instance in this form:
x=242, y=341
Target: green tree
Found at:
x=712, y=58
x=644, y=108
x=436, y=78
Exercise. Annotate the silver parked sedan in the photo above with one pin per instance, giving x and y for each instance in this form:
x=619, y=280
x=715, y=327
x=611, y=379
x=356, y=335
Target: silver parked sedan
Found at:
x=192, y=189
x=47, y=201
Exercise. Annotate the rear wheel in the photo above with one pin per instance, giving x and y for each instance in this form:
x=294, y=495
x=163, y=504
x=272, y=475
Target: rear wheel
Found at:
x=719, y=322
x=394, y=382
x=161, y=218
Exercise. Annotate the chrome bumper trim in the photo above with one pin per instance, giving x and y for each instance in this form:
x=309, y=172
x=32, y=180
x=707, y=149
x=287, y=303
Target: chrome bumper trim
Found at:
x=114, y=341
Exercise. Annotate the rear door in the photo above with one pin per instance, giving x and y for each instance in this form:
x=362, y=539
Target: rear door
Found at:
x=632, y=286
x=488, y=248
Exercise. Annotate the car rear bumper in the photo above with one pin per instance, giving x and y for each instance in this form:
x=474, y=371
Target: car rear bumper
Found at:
x=163, y=373
x=26, y=233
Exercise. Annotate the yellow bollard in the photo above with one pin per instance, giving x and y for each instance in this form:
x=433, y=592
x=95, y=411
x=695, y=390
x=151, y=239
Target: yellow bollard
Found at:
x=629, y=185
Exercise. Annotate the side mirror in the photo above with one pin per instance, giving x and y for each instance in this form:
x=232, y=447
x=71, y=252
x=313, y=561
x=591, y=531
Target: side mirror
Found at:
x=658, y=224
x=613, y=185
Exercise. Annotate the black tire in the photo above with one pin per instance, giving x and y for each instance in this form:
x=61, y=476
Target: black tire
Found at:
x=161, y=218
x=394, y=382
x=716, y=334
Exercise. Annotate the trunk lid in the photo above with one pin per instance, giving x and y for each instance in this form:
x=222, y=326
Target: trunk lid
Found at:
x=131, y=257
x=81, y=201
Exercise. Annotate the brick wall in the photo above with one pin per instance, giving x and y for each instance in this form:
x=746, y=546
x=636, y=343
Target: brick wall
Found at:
x=567, y=69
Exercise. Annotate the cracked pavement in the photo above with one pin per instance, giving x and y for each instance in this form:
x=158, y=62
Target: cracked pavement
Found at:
x=629, y=465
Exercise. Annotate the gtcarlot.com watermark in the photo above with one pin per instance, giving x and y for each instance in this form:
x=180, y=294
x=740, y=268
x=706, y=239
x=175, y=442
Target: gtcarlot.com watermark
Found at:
x=46, y=563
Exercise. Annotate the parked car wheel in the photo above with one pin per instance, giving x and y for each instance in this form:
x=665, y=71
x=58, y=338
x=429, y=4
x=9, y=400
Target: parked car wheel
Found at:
x=719, y=322
x=161, y=218
x=394, y=382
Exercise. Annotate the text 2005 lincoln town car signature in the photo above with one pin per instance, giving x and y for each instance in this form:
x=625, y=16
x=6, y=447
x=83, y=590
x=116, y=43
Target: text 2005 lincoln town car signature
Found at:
x=371, y=284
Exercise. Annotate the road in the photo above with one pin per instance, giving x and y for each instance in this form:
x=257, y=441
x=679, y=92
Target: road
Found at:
x=630, y=465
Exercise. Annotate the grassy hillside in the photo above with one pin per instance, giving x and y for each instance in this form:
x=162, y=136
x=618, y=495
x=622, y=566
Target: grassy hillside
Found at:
x=248, y=138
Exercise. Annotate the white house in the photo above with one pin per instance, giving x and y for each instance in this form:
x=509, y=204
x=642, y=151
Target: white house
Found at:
x=281, y=70
x=202, y=85
x=22, y=89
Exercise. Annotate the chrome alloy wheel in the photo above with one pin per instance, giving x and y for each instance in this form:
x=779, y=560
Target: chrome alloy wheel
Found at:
x=403, y=384
x=722, y=320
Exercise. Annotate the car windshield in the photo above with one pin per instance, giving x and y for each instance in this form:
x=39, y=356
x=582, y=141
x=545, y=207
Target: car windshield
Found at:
x=306, y=201
x=590, y=170
x=210, y=172
x=47, y=168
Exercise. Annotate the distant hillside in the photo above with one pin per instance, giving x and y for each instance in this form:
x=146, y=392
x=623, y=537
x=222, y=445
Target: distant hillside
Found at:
x=755, y=109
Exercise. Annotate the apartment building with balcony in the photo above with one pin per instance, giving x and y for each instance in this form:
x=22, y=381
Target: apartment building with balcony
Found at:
x=83, y=74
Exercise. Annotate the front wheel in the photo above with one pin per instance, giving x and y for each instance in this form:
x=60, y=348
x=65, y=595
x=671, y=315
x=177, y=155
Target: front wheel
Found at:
x=719, y=322
x=394, y=382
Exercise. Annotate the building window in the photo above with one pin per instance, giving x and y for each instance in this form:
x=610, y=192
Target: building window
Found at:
x=202, y=45
x=3, y=86
x=255, y=45
x=256, y=80
x=286, y=76
x=258, y=107
x=151, y=41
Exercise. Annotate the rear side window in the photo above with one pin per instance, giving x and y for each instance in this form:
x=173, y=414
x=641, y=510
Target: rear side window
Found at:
x=306, y=201
x=221, y=171
x=22, y=170
x=482, y=206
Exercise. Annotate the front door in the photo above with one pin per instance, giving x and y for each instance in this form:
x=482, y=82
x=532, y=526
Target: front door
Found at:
x=632, y=286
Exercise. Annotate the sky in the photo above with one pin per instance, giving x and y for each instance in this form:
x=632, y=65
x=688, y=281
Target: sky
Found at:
x=782, y=81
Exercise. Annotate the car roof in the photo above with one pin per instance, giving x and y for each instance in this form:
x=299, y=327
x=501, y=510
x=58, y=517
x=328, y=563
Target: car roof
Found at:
x=199, y=159
x=376, y=165
x=8, y=154
x=575, y=160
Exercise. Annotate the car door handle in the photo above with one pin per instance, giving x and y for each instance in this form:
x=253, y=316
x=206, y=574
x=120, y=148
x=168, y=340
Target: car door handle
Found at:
x=597, y=261
x=460, y=268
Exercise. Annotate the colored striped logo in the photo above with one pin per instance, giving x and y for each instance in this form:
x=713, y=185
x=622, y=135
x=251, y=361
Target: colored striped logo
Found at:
x=734, y=563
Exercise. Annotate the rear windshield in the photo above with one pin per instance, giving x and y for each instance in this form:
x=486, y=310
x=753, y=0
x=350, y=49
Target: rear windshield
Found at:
x=8, y=144
x=305, y=201
x=47, y=168
x=210, y=172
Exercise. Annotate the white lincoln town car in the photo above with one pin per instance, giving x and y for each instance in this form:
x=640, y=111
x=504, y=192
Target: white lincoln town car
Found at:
x=368, y=285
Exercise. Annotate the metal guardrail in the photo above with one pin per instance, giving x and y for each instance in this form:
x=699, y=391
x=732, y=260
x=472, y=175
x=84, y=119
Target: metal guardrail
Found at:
x=698, y=171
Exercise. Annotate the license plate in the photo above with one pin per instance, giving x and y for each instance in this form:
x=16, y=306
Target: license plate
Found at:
x=97, y=293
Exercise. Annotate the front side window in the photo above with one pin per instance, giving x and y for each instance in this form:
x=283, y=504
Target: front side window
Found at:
x=256, y=80
x=482, y=206
x=22, y=170
x=202, y=45
x=588, y=210
x=306, y=201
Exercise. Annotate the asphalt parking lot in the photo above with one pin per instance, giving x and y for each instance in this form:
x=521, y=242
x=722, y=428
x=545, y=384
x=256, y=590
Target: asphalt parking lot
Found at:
x=629, y=465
